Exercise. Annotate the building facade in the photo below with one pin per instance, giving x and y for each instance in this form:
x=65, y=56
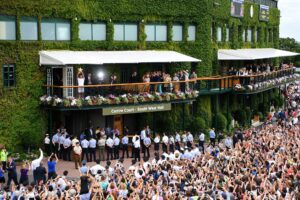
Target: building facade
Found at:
x=197, y=28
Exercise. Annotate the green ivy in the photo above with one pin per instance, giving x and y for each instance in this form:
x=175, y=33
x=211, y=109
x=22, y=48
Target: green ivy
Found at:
x=23, y=122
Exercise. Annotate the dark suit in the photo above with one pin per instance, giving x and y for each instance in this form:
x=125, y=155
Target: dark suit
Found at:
x=40, y=173
x=12, y=173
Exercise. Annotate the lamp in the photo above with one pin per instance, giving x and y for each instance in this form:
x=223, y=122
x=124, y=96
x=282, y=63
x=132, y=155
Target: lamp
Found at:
x=100, y=75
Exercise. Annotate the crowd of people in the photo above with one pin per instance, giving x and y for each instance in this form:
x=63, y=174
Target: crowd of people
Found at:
x=252, y=164
x=168, y=86
x=257, y=69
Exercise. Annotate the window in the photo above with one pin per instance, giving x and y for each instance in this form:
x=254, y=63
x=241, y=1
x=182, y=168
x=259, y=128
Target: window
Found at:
x=227, y=34
x=89, y=31
x=29, y=28
x=177, y=33
x=244, y=35
x=219, y=35
x=126, y=32
x=266, y=35
x=249, y=35
x=256, y=35
x=156, y=32
x=7, y=28
x=191, y=33
x=9, y=75
x=55, y=30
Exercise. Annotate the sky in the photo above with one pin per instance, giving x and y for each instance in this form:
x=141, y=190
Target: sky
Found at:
x=290, y=18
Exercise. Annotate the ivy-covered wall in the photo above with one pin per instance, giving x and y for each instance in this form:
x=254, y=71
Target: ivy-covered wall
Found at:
x=22, y=122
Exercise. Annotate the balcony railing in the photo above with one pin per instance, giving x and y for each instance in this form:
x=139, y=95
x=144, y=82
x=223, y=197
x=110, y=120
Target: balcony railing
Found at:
x=174, y=91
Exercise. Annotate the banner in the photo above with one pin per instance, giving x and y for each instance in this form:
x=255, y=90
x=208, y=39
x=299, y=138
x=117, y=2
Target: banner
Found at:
x=237, y=8
x=264, y=13
x=122, y=110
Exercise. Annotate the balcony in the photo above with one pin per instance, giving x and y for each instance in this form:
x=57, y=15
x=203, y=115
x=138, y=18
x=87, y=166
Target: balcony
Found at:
x=116, y=95
x=262, y=82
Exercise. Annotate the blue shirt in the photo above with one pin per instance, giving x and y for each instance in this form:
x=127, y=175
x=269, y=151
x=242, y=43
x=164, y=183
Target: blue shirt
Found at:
x=51, y=166
x=1, y=173
x=83, y=169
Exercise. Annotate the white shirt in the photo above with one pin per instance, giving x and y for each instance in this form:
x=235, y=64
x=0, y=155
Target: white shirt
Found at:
x=116, y=141
x=165, y=139
x=156, y=140
x=190, y=138
x=94, y=170
x=147, y=141
x=84, y=144
x=137, y=144
x=92, y=143
x=171, y=140
x=67, y=142
x=143, y=134
x=55, y=138
x=202, y=137
x=177, y=138
x=36, y=163
x=61, y=139
x=125, y=140
x=228, y=142
x=110, y=142
x=134, y=138
x=47, y=140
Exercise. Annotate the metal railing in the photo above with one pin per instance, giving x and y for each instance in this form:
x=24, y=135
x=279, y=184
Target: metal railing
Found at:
x=212, y=84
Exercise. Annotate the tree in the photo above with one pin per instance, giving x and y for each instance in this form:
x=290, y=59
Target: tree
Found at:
x=290, y=44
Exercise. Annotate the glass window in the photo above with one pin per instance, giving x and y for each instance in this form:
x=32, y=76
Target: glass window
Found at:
x=191, y=33
x=219, y=36
x=56, y=30
x=99, y=31
x=249, y=35
x=48, y=31
x=125, y=32
x=150, y=32
x=156, y=32
x=227, y=34
x=177, y=32
x=131, y=32
x=85, y=31
x=256, y=35
x=29, y=29
x=118, y=32
x=9, y=75
x=62, y=31
x=244, y=35
x=161, y=33
x=7, y=28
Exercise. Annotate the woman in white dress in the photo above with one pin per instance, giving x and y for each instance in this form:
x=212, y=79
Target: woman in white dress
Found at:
x=80, y=80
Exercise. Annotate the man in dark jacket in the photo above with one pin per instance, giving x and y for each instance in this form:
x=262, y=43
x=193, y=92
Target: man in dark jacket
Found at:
x=12, y=171
x=41, y=173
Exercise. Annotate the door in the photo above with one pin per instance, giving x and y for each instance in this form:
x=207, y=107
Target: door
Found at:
x=118, y=123
x=68, y=81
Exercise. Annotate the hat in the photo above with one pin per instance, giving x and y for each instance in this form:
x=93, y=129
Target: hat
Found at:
x=83, y=162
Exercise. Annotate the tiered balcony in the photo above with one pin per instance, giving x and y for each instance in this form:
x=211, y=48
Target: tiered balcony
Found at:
x=252, y=84
x=109, y=95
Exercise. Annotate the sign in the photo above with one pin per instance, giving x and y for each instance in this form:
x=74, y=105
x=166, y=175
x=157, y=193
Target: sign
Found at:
x=237, y=8
x=264, y=13
x=122, y=110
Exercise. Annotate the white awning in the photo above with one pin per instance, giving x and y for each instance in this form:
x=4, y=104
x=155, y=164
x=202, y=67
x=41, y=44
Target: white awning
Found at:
x=112, y=57
x=252, y=54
